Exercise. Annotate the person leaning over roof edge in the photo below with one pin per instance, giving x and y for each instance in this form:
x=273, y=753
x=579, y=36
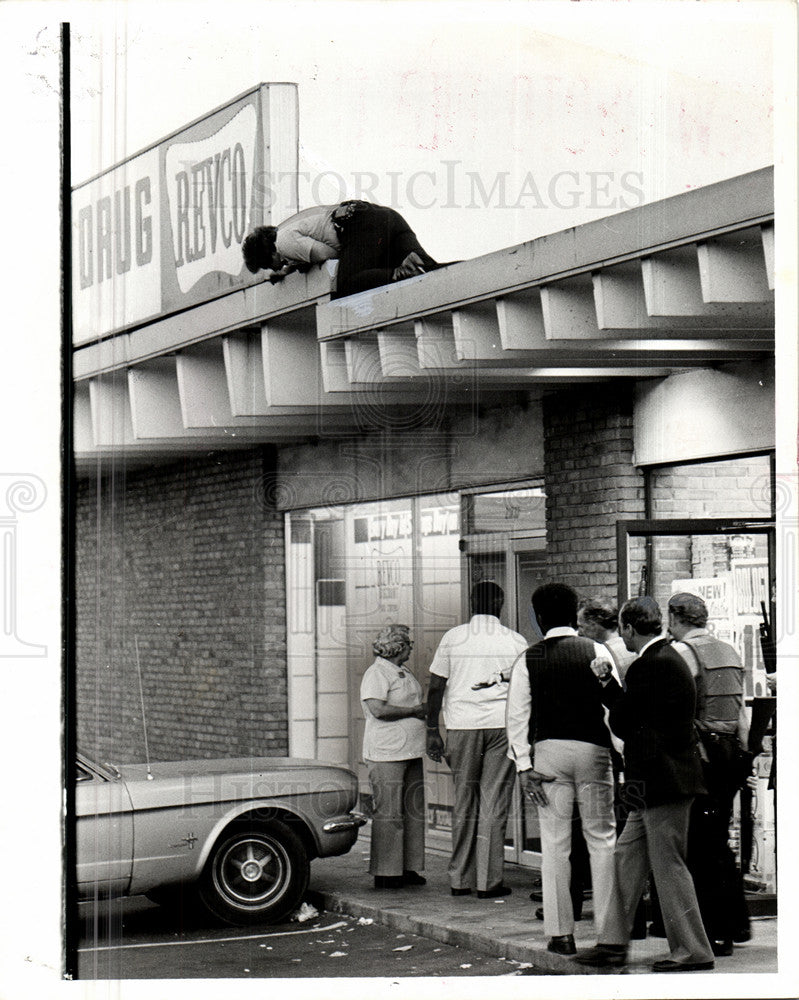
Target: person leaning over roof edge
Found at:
x=374, y=246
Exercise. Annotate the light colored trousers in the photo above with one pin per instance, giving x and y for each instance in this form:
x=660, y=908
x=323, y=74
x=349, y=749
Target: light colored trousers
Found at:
x=398, y=820
x=657, y=838
x=483, y=778
x=583, y=773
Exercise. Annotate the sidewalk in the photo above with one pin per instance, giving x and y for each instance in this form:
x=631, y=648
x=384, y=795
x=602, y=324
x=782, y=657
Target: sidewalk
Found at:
x=501, y=927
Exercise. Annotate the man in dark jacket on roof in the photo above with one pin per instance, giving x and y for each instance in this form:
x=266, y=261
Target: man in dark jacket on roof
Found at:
x=655, y=718
x=373, y=244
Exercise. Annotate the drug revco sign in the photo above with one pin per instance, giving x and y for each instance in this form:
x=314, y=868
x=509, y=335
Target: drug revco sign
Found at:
x=163, y=229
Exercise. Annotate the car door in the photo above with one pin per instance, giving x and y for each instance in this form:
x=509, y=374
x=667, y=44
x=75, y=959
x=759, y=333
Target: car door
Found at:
x=104, y=834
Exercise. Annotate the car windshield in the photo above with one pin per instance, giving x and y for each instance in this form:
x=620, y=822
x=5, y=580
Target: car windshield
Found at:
x=85, y=765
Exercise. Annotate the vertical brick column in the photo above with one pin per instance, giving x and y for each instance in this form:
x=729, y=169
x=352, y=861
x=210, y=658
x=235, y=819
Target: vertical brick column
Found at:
x=187, y=561
x=590, y=483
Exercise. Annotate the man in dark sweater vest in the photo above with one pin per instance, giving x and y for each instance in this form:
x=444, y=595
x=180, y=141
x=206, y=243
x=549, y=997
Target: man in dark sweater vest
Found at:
x=558, y=737
x=654, y=716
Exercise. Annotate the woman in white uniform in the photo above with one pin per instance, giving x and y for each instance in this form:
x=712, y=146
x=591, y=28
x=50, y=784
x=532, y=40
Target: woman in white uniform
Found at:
x=393, y=748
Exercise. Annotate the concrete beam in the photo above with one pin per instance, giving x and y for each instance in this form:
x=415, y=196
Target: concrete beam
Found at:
x=521, y=322
x=477, y=337
x=156, y=412
x=244, y=371
x=142, y=455
x=229, y=313
x=367, y=363
x=673, y=288
x=767, y=236
x=621, y=308
x=568, y=310
x=691, y=217
x=399, y=355
x=110, y=410
x=205, y=402
x=82, y=433
x=732, y=268
x=155, y=401
x=245, y=368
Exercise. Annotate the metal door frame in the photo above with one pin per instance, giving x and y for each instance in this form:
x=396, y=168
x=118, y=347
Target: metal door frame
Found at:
x=690, y=526
x=510, y=545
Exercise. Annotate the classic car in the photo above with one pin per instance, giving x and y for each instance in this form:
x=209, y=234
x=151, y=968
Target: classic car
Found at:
x=237, y=834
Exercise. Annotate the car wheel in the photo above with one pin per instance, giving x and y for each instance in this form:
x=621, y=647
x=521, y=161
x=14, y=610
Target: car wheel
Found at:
x=256, y=872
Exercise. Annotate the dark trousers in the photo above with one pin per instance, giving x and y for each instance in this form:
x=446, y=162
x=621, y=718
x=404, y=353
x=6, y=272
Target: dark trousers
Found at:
x=483, y=780
x=398, y=822
x=717, y=878
x=374, y=241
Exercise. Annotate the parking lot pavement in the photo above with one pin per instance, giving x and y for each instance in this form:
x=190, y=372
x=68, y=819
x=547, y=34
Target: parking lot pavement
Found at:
x=504, y=927
x=135, y=939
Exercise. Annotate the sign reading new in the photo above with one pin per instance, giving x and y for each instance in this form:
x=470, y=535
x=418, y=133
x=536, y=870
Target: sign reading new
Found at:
x=163, y=230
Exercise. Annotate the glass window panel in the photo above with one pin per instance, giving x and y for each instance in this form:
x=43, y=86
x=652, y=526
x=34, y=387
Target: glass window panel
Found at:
x=730, y=572
x=531, y=572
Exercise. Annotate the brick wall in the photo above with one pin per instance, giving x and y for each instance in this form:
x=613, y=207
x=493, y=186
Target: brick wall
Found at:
x=188, y=559
x=724, y=488
x=590, y=484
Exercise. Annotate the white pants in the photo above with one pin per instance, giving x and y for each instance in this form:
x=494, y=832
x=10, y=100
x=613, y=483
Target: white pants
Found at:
x=583, y=773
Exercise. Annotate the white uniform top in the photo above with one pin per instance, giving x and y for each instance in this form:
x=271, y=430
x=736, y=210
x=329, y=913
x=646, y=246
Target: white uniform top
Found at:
x=309, y=236
x=469, y=654
x=391, y=739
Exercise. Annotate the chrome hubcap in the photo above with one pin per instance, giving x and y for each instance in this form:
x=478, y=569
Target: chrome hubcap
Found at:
x=253, y=871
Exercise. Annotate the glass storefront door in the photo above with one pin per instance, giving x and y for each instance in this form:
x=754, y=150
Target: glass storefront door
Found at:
x=730, y=565
x=505, y=542
x=727, y=563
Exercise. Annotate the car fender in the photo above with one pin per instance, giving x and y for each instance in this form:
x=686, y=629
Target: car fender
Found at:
x=173, y=845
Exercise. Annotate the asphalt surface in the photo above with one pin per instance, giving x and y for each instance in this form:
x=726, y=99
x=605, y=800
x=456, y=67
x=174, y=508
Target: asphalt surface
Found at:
x=135, y=939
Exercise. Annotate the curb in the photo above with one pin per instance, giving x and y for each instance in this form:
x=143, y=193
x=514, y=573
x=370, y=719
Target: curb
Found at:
x=540, y=959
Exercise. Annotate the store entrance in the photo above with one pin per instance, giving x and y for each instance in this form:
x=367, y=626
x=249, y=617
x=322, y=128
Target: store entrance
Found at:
x=514, y=556
x=729, y=563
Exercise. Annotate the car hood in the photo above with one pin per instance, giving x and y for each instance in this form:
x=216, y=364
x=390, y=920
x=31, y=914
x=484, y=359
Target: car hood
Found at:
x=178, y=783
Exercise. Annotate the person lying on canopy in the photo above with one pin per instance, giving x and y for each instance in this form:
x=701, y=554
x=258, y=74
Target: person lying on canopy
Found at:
x=374, y=245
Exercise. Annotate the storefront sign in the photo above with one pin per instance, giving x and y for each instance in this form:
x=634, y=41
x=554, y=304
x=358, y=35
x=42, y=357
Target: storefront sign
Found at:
x=715, y=592
x=733, y=603
x=163, y=230
x=383, y=527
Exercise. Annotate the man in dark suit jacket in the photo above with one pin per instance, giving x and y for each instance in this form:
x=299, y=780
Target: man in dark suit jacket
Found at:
x=655, y=718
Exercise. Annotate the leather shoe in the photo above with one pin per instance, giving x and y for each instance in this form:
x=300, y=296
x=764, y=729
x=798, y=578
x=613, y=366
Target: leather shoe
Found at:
x=498, y=890
x=604, y=955
x=388, y=882
x=667, y=965
x=413, y=878
x=563, y=944
x=461, y=892
x=742, y=935
x=721, y=949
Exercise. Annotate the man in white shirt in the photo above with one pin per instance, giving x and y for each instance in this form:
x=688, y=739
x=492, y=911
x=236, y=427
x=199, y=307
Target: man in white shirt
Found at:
x=469, y=677
x=555, y=711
